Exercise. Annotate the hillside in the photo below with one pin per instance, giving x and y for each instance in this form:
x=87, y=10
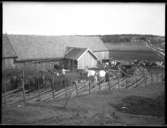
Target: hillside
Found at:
x=132, y=41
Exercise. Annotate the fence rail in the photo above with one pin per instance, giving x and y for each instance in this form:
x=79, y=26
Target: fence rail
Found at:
x=77, y=89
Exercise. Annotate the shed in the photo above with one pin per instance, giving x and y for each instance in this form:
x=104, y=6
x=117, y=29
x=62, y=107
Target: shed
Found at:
x=80, y=58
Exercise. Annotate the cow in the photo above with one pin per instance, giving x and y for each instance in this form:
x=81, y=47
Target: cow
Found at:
x=91, y=75
x=101, y=74
x=96, y=75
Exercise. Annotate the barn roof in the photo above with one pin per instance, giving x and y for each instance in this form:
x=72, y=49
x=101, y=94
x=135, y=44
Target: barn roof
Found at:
x=7, y=49
x=126, y=45
x=125, y=55
x=75, y=52
x=34, y=47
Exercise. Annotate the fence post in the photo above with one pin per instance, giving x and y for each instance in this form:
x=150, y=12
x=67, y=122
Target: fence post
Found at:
x=159, y=78
x=43, y=80
x=65, y=86
x=99, y=85
x=118, y=83
x=151, y=77
x=5, y=83
x=39, y=94
x=52, y=84
x=66, y=92
x=135, y=80
x=156, y=76
x=5, y=102
x=89, y=87
x=145, y=80
x=126, y=83
x=23, y=84
x=109, y=85
x=76, y=88
x=162, y=77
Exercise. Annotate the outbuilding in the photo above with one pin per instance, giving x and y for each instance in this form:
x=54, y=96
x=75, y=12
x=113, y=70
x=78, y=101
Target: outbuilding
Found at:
x=80, y=58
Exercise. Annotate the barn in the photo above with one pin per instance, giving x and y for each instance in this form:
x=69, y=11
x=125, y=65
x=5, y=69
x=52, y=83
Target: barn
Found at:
x=44, y=52
x=8, y=54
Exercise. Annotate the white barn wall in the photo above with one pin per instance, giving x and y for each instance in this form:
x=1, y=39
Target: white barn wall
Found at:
x=87, y=60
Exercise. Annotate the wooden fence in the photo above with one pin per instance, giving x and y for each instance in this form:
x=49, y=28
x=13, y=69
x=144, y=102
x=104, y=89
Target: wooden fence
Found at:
x=73, y=88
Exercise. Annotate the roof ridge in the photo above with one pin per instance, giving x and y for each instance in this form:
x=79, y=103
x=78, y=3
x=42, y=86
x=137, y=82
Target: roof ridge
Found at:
x=67, y=50
x=50, y=35
x=77, y=47
x=72, y=48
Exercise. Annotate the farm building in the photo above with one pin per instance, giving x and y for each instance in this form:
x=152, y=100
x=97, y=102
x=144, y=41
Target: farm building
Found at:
x=8, y=54
x=80, y=58
x=127, y=52
x=44, y=52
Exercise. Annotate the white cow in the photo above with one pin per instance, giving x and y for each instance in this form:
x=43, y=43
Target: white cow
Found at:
x=91, y=73
x=113, y=62
x=63, y=71
x=101, y=73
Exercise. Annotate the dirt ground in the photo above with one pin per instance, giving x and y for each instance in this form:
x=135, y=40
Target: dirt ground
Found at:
x=99, y=108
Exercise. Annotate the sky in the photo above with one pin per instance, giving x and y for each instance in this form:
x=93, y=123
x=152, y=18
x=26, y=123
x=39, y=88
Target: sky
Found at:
x=56, y=18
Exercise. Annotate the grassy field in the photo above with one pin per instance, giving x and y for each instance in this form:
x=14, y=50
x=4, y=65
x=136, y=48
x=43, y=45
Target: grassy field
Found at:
x=144, y=106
